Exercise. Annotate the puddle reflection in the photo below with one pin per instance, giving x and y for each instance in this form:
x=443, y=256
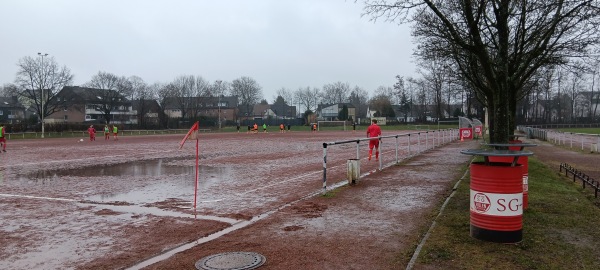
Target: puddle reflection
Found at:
x=177, y=183
x=156, y=167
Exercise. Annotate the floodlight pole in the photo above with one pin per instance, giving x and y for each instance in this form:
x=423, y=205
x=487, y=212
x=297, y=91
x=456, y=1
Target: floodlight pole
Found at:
x=219, y=102
x=42, y=90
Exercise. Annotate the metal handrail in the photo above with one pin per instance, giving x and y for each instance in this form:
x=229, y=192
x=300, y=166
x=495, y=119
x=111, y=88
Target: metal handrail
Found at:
x=585, y=179
x=440, y=141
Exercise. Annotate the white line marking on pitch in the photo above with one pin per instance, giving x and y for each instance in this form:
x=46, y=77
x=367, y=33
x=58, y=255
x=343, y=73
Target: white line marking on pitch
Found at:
x=78, y=159
x=37, y=197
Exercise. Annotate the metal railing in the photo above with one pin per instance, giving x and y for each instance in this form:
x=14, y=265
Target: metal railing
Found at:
x=582, y=141
x=585, y=179
x=431, y=139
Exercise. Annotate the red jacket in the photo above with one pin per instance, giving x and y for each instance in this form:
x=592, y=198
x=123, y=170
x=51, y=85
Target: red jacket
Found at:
x=373, y=131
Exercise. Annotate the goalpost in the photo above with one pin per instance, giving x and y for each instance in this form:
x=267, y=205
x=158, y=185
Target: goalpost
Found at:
x=331, y=125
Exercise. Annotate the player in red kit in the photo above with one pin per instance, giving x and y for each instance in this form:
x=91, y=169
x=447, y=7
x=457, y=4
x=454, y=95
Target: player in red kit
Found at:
x=92, y=132
x=372, y=132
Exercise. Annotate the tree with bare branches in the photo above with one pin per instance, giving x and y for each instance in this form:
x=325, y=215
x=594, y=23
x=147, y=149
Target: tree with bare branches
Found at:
x=308, y=97
x=335, y=93
x=35, y=74
x=109, y=91
x=498, y=46
x=248, y=91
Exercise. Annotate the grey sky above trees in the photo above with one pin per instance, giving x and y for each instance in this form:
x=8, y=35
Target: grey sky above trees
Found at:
x=278, y=43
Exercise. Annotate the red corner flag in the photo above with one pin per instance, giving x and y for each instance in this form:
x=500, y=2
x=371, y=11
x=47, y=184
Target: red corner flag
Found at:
x=193, y=134
x=194, y=131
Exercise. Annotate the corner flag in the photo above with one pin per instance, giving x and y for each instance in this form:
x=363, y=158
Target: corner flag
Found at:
x=193, y=132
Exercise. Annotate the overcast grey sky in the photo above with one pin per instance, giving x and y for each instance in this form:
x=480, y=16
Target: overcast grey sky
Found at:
x=279, y=43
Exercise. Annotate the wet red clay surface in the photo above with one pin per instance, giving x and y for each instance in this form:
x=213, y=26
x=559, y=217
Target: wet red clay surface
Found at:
x=115, y=220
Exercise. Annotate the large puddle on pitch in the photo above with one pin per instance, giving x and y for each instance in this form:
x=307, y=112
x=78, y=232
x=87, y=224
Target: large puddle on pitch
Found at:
x=154, y=167
x=177, y=183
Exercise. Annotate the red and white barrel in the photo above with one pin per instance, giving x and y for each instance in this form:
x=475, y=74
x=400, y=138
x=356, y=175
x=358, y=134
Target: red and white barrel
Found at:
x=522, y=160
x=496, y=202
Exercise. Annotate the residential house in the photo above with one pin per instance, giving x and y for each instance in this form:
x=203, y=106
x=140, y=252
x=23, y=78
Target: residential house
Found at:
x=330, y=112
x=147, y=112
x=83, y=104
x=283, y=111
x=263, y=111
x=11, y=110
x=224, y=107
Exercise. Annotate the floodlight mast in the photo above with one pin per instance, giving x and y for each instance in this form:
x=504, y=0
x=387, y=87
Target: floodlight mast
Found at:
x=42, y=112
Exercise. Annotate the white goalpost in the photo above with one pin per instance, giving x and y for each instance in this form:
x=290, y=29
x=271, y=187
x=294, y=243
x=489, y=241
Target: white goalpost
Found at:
x=331, y=125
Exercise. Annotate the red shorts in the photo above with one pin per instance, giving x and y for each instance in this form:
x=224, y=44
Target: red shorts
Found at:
x=3, y=139
x=374, y=143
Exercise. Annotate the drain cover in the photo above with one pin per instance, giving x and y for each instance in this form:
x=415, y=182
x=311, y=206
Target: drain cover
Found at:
x=231, y=261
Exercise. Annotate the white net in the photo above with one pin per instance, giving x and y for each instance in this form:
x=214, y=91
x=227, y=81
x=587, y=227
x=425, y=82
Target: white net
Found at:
x=331, y=125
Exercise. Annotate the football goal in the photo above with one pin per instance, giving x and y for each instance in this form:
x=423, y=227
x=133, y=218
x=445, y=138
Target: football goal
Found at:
x=331, y=125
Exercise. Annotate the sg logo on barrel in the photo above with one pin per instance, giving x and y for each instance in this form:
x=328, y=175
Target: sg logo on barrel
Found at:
x=481, y=202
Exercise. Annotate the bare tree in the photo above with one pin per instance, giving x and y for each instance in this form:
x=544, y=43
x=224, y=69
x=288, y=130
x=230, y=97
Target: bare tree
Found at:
x=594, y=92
x=183, y=92
x=109, y=91
x=8, y=90
x=308, y=98
x=433, y=73
x=248, y=91
x=359, y=97
x=201, y=92
x=498, y=45
x=382, y=106
x=220, y=88
x=335, y=93
x=388, y=92
x=164, y=93
x=142, y=95
x=286, y=94
x=41, y=75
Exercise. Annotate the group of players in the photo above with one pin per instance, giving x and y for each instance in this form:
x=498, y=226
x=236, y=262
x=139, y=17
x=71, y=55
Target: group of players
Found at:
x=107, y=131
x=373, y=131
x=254, y=128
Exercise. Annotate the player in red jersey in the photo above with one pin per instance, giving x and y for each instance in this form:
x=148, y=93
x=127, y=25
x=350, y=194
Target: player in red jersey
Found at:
x=2, y=138
x=92, y=132
x=372, y=132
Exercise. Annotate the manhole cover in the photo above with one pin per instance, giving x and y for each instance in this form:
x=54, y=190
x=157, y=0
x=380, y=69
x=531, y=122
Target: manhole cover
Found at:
x=231, y=261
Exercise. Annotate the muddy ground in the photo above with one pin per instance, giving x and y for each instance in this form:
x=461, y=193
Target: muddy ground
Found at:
x=114, y=204
x=128, y=204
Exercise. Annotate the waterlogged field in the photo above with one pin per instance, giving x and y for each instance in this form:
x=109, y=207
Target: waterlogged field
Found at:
x=68, y=204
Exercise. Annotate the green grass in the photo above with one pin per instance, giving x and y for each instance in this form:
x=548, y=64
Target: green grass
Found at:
x=581, y=130
x=560, y=230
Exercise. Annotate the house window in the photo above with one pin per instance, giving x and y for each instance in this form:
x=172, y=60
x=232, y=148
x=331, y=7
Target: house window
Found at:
x=66, y=117
x=88, y=117
x=1, y=112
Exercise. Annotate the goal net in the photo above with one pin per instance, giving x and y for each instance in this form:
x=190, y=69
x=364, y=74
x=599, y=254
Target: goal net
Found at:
x=331, y=125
